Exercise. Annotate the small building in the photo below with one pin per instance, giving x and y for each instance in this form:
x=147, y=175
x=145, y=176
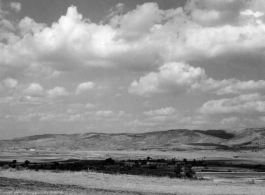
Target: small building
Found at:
x=32, y=149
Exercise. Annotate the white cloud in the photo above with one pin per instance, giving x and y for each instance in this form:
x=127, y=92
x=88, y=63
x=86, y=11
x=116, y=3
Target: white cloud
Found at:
x=139, y=22
x=243, y=104
x=111, y=114
x=142, y=39
x=167, y=52
x=251, y=13
x=90, y=106
x=15, y=6
x=34, y=89
x=10, y=83
x=115, y=11
x=57, y=92
x=28, y=25
x=163, y=112
x=7, y=24
x=181, y=78
x=82, y=87
x=205, y=18
x=230, y=86
x=214, y=13
x=172, y=77
x=229, y=121
x=257, y=5
x=105, y=113
x=30, y=100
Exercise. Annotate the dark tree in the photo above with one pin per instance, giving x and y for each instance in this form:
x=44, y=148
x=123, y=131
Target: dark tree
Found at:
x=27, y=162
x=110, y=161
x=56, y=164
x=14, y=161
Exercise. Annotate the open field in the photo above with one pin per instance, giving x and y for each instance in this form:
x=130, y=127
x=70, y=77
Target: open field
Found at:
x=73, y=182
x=239, y=180
x=43, y=155
x=216, y=161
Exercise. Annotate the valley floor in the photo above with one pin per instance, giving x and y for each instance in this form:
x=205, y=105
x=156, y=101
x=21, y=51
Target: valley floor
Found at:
x=45, y=182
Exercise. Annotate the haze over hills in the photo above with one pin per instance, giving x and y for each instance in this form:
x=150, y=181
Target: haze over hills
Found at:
x=179, y=139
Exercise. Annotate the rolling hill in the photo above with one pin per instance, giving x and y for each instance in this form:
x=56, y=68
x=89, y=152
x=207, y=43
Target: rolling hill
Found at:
x=179, y=139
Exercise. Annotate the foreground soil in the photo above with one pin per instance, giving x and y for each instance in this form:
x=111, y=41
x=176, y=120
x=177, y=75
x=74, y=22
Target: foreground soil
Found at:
x=31, y=182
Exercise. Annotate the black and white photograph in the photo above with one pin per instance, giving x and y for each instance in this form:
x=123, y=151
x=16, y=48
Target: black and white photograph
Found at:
x=132, y=97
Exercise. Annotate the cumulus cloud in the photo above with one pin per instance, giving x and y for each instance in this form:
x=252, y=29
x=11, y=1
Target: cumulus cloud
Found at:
x=230, y=86
x=110, y=114
x=166, y=52
x=163, y=111
x=90, y=106
x=181, y=78
x=137, y=23
x=213, y=13
x=172, y=77
x=82, y=87
x=34, y=89
x=243, y=104
x=105, y=113
x=115, y=12
x=229, y=121
x=28, y=25
x=30, y=100
x=15, y=6
x=10, y=83
x=6, y=24
x=141, y=40
x=57, y=92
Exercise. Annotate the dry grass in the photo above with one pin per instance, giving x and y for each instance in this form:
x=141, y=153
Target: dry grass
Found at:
x=135, y=184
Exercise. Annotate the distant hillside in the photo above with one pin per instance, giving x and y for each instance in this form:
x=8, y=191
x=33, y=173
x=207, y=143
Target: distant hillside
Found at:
x=217, y=133
x=249, y=136
x=177, y=139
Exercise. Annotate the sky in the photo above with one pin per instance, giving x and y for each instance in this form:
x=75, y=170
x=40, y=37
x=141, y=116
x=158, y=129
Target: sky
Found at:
x=122, y=66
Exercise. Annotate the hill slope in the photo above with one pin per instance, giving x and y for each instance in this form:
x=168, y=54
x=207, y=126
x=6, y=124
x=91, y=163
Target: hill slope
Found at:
x=180, y=139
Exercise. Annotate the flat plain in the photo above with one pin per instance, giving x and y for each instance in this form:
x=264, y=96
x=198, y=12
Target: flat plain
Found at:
x=235, y=182
x=69, y=182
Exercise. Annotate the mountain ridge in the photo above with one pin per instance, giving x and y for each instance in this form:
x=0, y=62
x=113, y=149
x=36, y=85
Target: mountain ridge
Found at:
x=173, y=139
